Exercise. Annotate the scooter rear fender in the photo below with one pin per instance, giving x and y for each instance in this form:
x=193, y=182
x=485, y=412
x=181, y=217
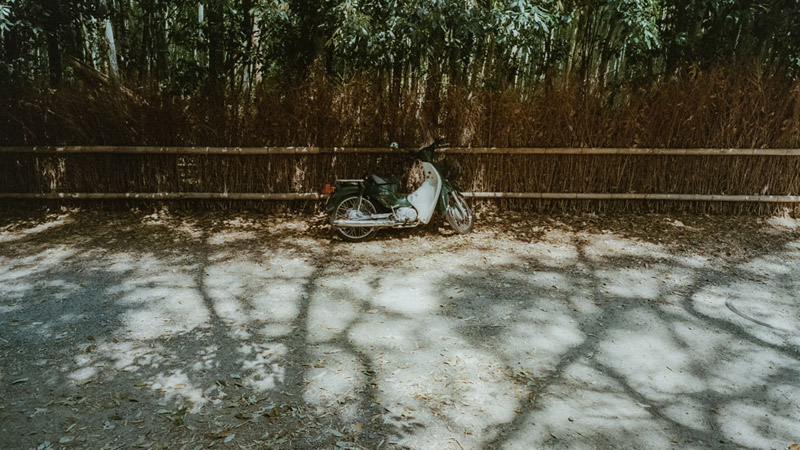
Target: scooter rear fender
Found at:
x=340, y=193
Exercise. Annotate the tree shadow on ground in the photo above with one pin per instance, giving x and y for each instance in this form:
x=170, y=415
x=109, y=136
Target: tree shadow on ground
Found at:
x=158, y=330
x=659, y=360
x=124, y=329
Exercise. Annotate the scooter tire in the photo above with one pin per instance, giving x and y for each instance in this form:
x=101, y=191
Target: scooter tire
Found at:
x=460, y=226
x=344, y=233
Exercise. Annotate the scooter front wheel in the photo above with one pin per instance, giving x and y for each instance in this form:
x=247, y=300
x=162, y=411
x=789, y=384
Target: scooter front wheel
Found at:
x=350, y=208
x=459, y=214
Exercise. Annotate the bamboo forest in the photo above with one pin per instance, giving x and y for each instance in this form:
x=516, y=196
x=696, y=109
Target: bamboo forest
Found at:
x=366, y=72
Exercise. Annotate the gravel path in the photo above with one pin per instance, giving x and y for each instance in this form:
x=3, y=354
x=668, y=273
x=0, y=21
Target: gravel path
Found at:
x=129, y=330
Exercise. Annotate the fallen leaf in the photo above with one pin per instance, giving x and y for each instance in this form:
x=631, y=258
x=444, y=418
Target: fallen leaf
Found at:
x=219, y=435
x=37, y=411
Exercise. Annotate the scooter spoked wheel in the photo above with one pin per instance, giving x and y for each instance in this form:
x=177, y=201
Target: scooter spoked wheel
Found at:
x=459, y=214
x=351, y=208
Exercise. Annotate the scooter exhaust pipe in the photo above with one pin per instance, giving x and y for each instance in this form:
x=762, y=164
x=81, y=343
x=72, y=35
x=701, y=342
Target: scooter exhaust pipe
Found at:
x=368, y=223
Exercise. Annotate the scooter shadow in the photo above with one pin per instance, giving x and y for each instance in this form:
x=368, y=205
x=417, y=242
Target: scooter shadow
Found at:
x=433, y=229
x=319, y=226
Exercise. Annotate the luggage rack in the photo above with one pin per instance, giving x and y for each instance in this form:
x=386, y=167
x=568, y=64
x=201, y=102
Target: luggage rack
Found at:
x=350, y=181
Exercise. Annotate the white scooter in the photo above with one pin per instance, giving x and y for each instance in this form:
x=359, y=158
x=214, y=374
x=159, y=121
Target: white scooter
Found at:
x=359, y=207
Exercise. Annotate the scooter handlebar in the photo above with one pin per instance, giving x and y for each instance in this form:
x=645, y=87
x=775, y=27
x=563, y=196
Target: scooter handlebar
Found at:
x=416, y=154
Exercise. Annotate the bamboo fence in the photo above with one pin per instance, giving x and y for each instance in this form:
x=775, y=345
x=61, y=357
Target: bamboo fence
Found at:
x=311, y=150
x=565, y=179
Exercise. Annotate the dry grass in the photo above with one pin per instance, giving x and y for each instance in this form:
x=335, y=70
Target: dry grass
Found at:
x=722, y=108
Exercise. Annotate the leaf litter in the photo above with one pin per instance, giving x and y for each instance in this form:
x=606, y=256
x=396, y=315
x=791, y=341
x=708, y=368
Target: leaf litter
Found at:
x=241, y=415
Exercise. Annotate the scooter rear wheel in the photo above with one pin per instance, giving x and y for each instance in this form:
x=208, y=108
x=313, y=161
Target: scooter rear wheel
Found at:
x=346, y=210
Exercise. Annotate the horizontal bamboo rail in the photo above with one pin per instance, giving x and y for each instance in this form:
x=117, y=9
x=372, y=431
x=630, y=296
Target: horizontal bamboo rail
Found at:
x=637, y=196
x=312, y=196
x=448, y=150
x=161, y=196
x=627, y=151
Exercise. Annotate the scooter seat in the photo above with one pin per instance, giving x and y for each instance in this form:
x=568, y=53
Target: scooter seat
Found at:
x=382, y=180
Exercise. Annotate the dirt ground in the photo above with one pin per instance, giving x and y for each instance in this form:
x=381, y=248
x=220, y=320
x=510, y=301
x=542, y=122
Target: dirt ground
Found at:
x=138, y=330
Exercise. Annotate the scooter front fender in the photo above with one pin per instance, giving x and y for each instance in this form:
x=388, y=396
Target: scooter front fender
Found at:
x=447, y=188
